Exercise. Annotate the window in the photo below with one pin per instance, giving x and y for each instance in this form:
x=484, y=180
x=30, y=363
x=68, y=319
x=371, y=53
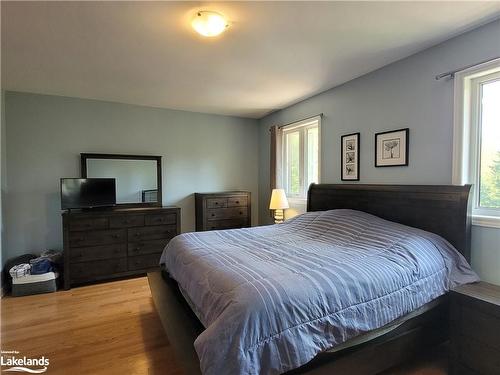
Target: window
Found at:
x=477, y=139
x=300, y=156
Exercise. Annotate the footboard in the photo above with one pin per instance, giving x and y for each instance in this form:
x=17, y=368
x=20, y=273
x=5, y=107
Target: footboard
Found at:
x=178, y=320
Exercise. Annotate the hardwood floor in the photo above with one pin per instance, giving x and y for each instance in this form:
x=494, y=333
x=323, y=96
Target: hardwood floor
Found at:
x=110, y=328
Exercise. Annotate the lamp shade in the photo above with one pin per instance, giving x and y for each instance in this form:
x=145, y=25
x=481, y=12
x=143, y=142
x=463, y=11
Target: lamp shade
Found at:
x=278, y=200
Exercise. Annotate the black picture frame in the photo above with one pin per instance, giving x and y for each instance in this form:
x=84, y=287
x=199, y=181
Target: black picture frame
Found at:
x=405, y=160
x=356, y=137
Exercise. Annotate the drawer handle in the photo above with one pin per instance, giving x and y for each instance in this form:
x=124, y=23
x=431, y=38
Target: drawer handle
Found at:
x=237, y=202
x=216, y=203
x=213, y=215
x=241, y=212
x=115, y=236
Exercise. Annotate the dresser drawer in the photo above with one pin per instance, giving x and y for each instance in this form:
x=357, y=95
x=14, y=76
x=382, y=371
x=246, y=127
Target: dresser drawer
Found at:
x=126, y=221
x=88, y=271
x=241, y=201
x=98, y=237
x=88, y=224
x=159, y=219
x=216, y=202
x=227, y=213
x=152, y=233
x=146, y=247
x=143, y=262
x=84, y=254
x=227, y=224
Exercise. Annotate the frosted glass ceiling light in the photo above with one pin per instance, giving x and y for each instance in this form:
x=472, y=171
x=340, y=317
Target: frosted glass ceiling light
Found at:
x=209, y=23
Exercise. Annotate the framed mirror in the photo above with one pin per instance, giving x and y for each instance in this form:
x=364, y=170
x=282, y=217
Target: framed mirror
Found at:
x=138, y=177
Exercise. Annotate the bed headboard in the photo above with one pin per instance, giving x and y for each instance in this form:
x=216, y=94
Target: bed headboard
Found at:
x=441, y=209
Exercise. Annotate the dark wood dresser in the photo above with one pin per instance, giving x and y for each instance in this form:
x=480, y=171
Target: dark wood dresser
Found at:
x=105, y=244
x=223, y=210
x=475, y=329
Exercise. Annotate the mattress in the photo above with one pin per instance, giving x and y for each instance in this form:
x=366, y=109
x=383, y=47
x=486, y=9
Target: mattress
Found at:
x=273, y=297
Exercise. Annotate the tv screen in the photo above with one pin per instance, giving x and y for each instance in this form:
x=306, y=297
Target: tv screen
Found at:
x=87, y=192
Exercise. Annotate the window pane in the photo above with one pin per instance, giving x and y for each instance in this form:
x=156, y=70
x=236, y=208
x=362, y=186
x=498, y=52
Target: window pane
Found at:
x=293, y=158
x=312, y=156
x=489, y=193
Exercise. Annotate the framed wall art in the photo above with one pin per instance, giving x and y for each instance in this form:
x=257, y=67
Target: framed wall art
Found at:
x=391, y=148
x=350, y=157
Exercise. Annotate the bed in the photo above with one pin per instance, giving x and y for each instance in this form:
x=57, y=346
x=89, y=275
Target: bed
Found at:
x=298, y=297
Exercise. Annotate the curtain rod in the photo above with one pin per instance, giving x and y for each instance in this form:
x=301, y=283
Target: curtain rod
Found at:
x=304, y=119
x=451, y=73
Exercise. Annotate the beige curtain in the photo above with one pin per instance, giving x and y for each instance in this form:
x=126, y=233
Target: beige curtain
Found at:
x=276, y=154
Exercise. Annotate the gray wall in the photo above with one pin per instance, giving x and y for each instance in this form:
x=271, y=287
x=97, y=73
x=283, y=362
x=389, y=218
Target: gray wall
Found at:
x=403, y=94
x=45, y=135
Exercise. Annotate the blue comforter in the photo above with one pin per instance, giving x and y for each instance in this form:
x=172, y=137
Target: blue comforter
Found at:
x=273, y=297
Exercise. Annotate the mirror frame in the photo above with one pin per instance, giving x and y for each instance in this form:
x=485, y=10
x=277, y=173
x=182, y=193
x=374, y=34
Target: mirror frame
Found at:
x=83, y=166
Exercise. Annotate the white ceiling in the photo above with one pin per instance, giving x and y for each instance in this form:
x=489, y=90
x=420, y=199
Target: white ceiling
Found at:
x=273, y=55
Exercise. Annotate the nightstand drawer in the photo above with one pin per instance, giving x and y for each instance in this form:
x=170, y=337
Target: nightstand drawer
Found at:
x=481, y=327
x=480, y=357
x=463, y=370
x=475, y=329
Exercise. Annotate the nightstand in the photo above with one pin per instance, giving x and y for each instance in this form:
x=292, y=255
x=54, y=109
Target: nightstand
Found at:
x=475, y=329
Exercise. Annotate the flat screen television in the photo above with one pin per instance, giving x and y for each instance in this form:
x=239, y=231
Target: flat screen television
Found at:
x=87, y=192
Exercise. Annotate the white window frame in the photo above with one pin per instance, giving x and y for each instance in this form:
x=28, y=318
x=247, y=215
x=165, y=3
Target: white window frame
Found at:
x=467, y=136
x=302, y=127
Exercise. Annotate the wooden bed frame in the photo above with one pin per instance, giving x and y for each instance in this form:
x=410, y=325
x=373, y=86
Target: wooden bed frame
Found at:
x=441, y=209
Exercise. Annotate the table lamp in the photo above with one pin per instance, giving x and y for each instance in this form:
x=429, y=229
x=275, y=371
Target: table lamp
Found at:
x=278, y=204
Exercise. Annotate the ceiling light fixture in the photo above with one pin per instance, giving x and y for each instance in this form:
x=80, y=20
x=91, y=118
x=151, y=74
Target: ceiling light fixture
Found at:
x=209, y=23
